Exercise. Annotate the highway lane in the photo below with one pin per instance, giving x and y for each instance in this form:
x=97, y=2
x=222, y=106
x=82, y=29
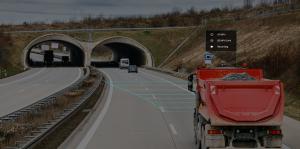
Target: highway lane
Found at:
x=291, y=132
x=26, y=88
x=143, y=112
x=148, y=110
x=290, y=127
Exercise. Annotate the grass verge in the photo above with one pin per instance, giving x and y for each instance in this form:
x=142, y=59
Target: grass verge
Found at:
x=54, y=139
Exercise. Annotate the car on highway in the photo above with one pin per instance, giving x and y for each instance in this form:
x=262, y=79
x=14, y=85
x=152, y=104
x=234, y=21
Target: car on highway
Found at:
x=124, y=63
x=132, y=68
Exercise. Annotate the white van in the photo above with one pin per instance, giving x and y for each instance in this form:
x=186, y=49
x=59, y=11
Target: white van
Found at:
x=124, y=63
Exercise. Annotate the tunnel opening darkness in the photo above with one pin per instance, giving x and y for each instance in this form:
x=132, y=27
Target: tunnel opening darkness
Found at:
x=65, y=54
x=135, y=55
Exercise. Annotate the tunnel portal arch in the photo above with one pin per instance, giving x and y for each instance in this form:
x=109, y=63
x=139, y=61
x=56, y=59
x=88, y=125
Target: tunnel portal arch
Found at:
x=123, y=47
x=81, y=54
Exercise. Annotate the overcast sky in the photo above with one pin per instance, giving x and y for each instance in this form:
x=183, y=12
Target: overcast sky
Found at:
x=18, y=11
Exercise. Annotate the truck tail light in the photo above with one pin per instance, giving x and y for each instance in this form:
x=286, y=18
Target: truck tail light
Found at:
x=274, y=132
x=273, y=139
x=214, y=132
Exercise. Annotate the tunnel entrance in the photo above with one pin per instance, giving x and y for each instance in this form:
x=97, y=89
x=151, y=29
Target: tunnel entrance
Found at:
x=65, y=54
x=109, y=52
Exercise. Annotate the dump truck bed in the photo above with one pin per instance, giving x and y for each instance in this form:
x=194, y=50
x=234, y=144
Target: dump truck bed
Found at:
x=256, y=102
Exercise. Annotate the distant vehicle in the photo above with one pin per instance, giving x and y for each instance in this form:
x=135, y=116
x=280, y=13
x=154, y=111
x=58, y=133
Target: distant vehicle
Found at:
x=132, y=68
x=124, y=63
x=65, y=59
x=236, y=108
x=48, y=57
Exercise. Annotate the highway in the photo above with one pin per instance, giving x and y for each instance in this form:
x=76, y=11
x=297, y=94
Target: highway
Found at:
x=142, y=111
x=26, y=88
x=148, y=110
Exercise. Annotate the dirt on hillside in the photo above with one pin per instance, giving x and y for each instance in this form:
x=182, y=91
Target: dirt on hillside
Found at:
x=256, y=37
x=270, y=43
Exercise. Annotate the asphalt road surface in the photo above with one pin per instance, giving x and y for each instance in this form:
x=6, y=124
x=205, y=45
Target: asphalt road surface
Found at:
x=26, y=88
x=142, y=111
x=148, y=110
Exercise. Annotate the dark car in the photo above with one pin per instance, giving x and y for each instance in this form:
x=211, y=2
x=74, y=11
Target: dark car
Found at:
x=132, y=68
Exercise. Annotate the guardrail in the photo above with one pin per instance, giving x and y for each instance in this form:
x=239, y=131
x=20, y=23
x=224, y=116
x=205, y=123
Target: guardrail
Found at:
x=48, y=128
x=14, y=115
x=35, y=107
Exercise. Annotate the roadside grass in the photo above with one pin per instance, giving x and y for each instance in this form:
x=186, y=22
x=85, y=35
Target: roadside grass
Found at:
x=8, y=72
x=292, y=106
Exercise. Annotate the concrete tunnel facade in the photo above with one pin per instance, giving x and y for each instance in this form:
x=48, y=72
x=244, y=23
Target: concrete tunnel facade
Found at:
x=120, y=46
x=77, y=48
x=124, y=47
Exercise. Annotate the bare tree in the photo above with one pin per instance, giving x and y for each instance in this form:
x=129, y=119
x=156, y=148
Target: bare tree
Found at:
x=248, y=3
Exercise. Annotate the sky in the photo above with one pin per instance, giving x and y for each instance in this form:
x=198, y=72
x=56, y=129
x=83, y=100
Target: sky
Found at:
x=19, y=11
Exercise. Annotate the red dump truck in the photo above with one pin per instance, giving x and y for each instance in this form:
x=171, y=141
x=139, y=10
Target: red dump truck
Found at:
x=236, y=108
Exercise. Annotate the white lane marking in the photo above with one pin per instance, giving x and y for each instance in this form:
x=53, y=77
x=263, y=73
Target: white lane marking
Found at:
x=63, y=87
x=29, y=77
x=154, y=97
x=77, y=78
x=168, y=82
x=162, y=109
x=173, y=129
x=84, y=142
x=285, y=146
